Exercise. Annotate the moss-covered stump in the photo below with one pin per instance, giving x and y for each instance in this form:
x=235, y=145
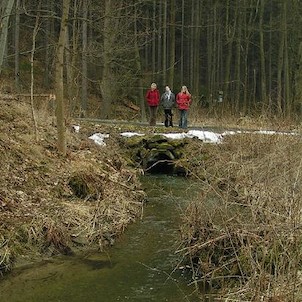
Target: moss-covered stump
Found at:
x=157, y=154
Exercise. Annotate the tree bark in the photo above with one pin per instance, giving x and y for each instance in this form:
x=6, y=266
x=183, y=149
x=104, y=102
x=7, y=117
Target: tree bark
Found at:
x=287, y=89
x=59, y=79
x=17, y=47
x=197, y=66
x=280, y=65
x=84, y=58
x=262, y=57
x=230, y=34
x=154, y=39
x=238, y=60
x=32, y=54
x=107, y=87
x=139, y=69
x=191, y=49
x=172, y=45
x=165, y=43
x=298, y=82
x=4, y=30
x=182, y=52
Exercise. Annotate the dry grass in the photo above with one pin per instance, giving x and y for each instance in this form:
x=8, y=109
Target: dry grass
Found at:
x=51, y=205
x=243, y=234
x=223, y=116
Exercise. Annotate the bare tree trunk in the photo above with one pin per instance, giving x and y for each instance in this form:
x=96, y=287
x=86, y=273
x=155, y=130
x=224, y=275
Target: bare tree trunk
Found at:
x=72, y=59
x=230, y=34
x=148, y=45
x=298, y=84
x=4, y=30
x=238, y=60
x=48, y=31
x=59, y=79
x=154, y=39
x=280, y=64
x=172, y=44
x=210, y=53
x=191, y=49
x=17, y=47
x=270, y=61
x=182, y=52
x=69, y=71
x=262, y=56
x=32, y=54
x=165, y=43
x=139, y=68
x=84, y=59
x=109, y=35
x=159, y=39
x=287, y=89
x=247, y=34
x=197, y=67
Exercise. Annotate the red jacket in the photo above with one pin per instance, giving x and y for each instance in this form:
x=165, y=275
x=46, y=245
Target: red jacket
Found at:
x=152, y=97
x=183, y=101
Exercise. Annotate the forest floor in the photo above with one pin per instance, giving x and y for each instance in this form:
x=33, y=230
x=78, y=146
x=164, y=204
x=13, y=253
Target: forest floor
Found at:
x=51, y=204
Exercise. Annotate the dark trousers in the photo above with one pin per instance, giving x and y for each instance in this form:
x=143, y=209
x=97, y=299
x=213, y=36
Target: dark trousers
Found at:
x=168, y=118
x=153, y=113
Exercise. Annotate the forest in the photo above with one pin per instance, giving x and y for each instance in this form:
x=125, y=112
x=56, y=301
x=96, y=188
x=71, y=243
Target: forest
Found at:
x=242, y=55
x=72, y=69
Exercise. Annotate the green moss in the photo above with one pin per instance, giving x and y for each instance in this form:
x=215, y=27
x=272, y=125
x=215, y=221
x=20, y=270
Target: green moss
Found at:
x=135, y=141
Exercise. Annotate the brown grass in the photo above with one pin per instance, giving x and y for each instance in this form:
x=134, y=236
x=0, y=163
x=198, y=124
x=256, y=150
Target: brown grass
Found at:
x=243, y=234
x=50, y=204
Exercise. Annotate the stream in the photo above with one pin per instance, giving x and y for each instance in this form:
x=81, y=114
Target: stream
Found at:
x=139, y=267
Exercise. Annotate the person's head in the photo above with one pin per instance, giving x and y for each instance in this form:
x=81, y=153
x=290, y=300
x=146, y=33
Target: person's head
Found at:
x=184, y=89
x=167, y=88
x=153, y=86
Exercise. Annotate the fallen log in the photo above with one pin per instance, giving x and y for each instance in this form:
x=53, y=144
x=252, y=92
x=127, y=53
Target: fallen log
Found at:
x=130, y=105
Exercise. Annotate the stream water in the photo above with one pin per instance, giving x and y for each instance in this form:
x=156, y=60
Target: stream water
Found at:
x=140, y=266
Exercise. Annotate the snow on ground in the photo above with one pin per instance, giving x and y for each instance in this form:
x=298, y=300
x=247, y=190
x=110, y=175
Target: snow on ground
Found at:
x=130, y=134
x=76, y=128
x=98, y=138
x=203, y=135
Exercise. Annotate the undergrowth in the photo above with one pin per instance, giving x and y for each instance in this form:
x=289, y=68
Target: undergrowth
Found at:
x=50, y=204
x=242, y=236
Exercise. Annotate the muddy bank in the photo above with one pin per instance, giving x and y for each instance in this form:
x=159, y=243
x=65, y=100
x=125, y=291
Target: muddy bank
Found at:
x=50, y=204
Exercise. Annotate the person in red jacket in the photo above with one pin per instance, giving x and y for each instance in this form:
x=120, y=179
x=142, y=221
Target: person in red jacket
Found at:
x=183, y=101
x=153, y=97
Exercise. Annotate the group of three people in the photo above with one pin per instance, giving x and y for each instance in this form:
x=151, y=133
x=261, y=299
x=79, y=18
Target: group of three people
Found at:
x=167, y=100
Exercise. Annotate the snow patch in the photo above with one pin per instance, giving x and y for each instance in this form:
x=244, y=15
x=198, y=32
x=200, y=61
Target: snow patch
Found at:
x=98, y=138
x=130, y=134
x=76, y=128
x=205, y=136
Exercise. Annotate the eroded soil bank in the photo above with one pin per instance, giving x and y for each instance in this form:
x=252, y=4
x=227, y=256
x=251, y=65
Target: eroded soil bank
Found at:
x=50, y=204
